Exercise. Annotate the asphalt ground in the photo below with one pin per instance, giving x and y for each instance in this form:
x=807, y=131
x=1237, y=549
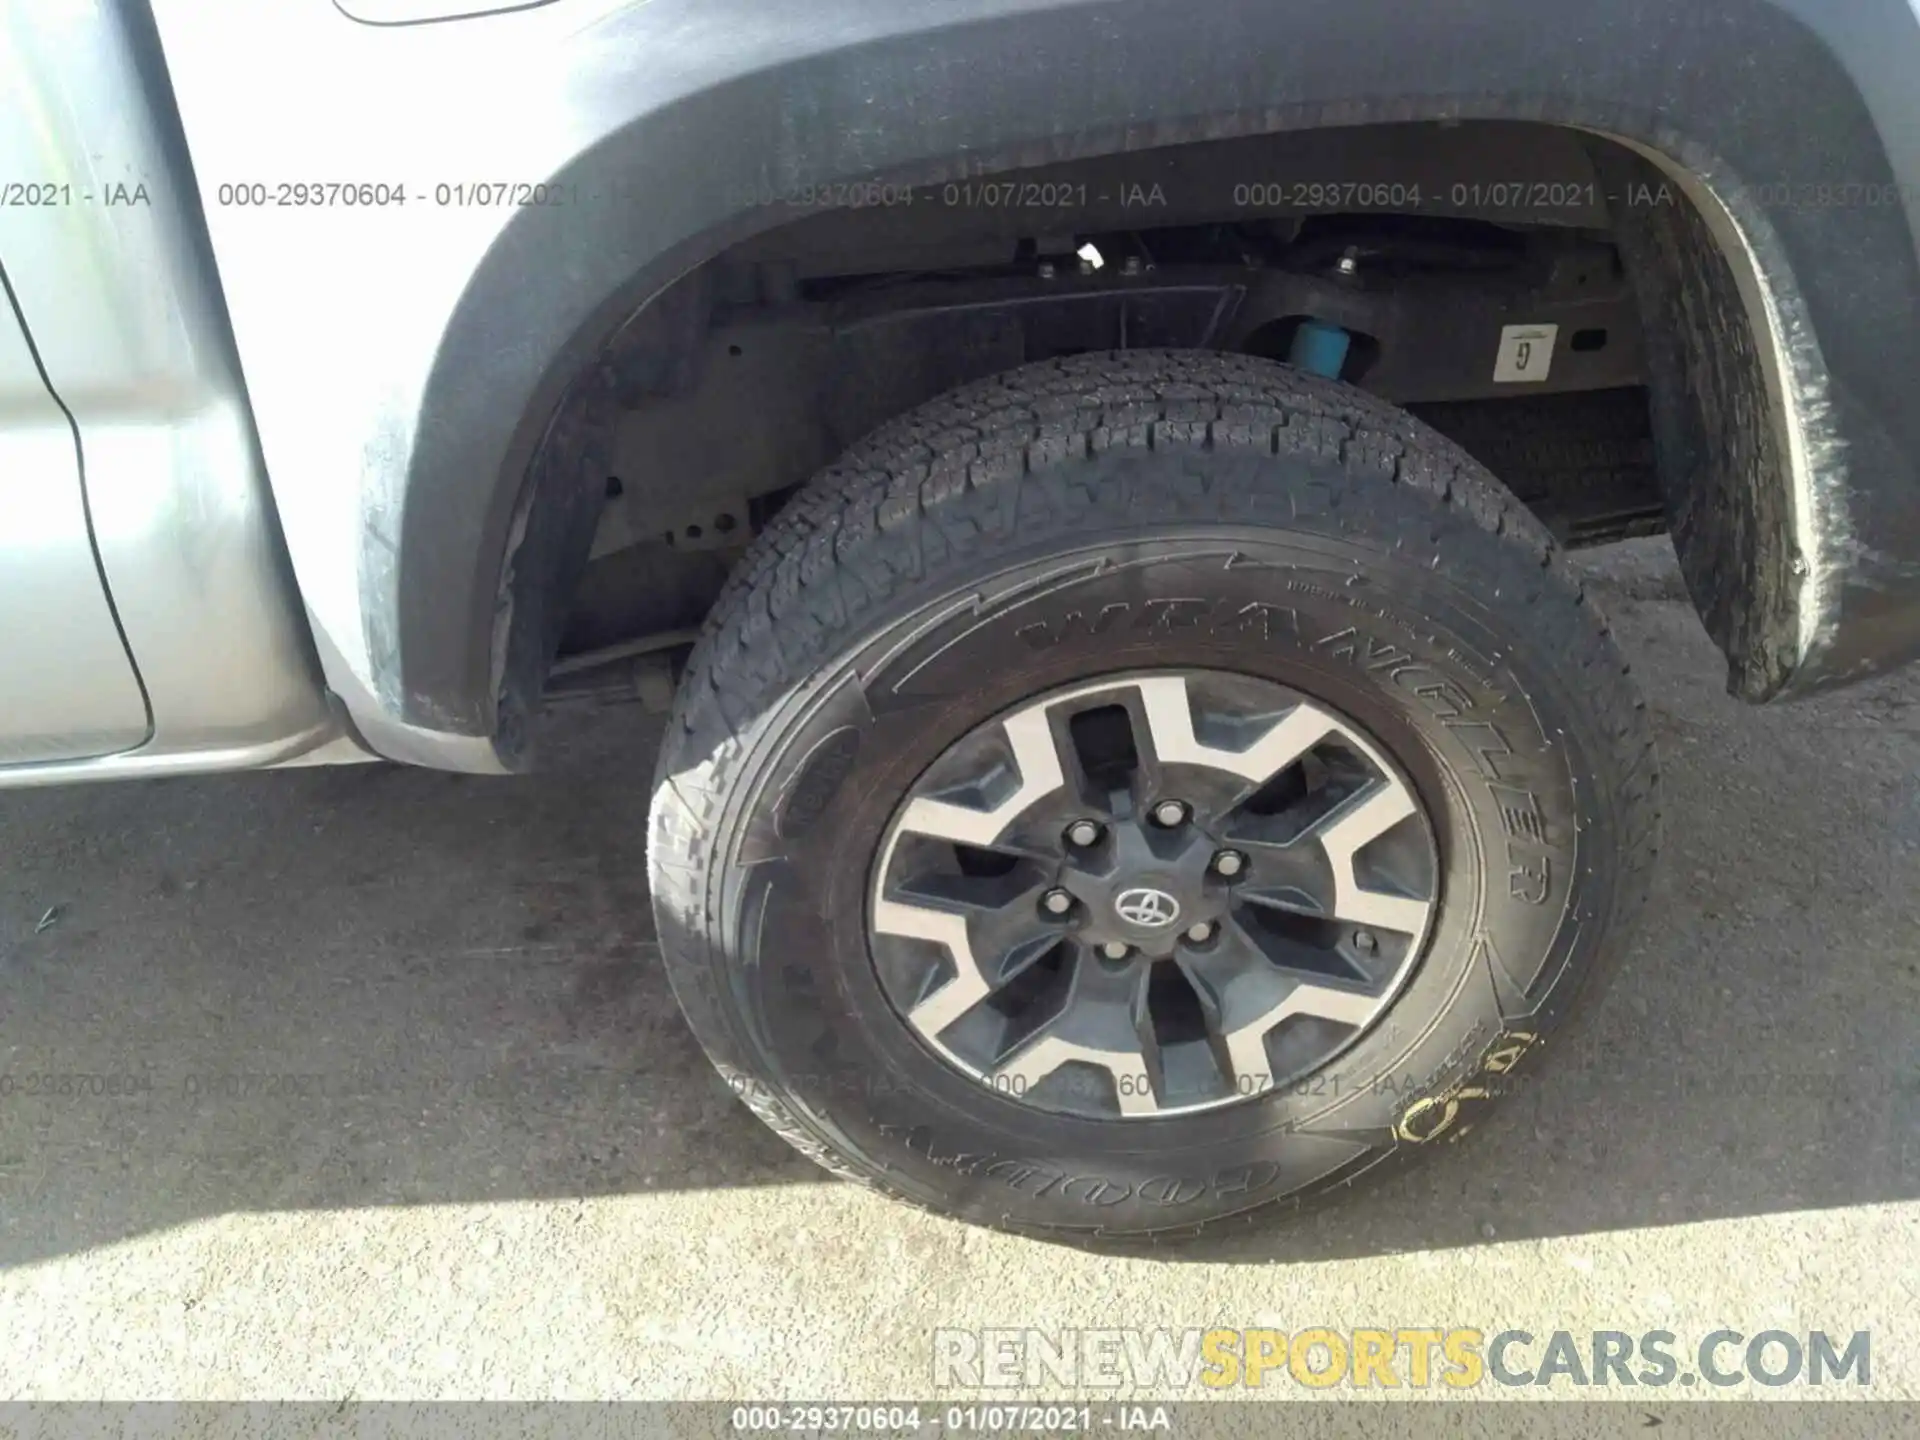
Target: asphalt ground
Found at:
x=378, y=1091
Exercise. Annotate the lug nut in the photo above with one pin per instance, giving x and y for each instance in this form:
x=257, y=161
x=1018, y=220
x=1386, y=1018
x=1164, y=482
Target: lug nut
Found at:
x=1169, y=813
x=1116, y=950
x=1229, y=863
x=1057, y=902
x=1201, y=933
x=1364, y=942
x=1082, y=833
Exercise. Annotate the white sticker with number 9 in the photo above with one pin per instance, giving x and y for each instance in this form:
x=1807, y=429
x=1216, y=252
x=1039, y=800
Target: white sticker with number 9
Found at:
x=1526, y=353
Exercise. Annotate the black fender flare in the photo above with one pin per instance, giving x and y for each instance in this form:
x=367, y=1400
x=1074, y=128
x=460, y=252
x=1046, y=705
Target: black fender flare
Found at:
x=1746, y=101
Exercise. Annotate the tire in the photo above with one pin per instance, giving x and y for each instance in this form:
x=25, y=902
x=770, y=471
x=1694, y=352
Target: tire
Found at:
x=1153, y=514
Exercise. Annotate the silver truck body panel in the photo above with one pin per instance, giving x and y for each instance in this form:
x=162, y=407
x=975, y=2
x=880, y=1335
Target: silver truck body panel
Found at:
x=376, y=284
x=70, y=690
x=119, y=292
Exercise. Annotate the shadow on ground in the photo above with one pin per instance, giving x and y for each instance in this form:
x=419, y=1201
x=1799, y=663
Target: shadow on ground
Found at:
x=376, y=986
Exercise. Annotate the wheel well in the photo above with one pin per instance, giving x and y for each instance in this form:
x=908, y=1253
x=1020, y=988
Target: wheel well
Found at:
x=1426, y=246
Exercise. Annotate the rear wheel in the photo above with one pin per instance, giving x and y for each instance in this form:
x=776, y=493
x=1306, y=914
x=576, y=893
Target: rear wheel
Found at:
x=1141, y=789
